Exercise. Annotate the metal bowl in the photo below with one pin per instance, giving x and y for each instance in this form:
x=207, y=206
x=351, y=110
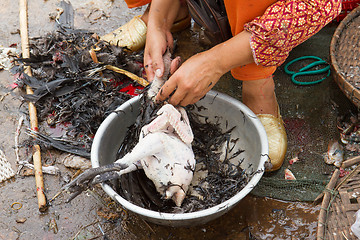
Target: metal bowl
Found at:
x=249, y=130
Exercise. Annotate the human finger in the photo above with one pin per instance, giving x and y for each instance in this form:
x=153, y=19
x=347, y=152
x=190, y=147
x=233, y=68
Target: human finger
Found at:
x=157, y=63
x=175, y=63
x=178, y=96
x=189, y=99
x=195, y=96
x=165, y=91
x=148, y=68
x=170, y=41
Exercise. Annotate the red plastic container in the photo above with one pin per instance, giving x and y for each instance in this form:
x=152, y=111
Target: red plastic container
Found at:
x=347, y=7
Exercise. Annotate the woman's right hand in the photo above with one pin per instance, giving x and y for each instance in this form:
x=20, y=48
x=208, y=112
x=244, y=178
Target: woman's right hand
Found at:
x=157, y=41
x=162, y=15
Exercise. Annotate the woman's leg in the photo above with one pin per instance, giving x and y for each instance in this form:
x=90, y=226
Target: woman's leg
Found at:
x=259, y=96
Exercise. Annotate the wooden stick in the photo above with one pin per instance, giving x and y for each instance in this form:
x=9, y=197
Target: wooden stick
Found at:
x=350, y=162
x=327, y=194
x=134, y=77
x=345, y=164
x=325, y=205
x=32, y=109
x=348, y=177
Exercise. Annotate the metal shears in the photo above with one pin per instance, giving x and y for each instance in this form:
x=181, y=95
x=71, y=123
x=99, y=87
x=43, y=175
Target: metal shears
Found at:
x=305, y=70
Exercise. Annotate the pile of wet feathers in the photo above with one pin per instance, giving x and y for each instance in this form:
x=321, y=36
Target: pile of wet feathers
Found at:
x=70, y=88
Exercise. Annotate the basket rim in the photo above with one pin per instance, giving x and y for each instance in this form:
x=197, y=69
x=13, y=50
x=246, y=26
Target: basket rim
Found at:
x=332, y=187
x=349, y=90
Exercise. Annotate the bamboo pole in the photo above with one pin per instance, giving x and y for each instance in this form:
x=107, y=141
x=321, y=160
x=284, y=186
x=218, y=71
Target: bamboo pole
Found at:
x=325, y=205
x=350, y=162
x=23, y=17
x=347, y=163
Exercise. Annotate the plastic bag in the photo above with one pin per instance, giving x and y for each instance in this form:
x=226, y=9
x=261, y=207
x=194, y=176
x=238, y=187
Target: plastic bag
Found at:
x=355, y=228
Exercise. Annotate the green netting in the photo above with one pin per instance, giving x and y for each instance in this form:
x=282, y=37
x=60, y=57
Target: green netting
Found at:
x=289, y=190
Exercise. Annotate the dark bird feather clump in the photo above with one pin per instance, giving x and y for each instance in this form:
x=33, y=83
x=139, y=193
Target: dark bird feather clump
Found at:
x=70, y=88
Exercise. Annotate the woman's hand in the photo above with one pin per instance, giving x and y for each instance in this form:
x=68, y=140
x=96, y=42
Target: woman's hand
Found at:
x=158, y=38
x=202, y=71
x=157, y=41
x=192, y=80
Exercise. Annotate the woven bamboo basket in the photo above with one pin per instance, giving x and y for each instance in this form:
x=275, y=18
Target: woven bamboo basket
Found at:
x=345, y=56
x=341, y=200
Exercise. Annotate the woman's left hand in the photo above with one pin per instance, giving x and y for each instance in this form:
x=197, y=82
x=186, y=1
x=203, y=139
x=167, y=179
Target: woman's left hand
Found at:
x=192, y=80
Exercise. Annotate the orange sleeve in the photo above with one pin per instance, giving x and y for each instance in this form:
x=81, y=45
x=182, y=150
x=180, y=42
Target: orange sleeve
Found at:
x=240, y=12
x=136, y=3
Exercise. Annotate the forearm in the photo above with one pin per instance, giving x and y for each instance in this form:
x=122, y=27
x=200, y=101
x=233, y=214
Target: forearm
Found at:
x=163, y=13
x=232, y=53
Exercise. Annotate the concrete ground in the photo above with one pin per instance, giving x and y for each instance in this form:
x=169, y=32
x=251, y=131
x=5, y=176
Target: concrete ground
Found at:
x=253, y=218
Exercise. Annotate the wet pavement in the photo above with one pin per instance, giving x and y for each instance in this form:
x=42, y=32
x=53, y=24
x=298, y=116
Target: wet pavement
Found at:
x=90, y=214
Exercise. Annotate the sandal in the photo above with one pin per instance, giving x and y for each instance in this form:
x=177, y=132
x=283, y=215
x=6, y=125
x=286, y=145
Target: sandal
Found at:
x=181, y=24
x=276, y=134
x=132, y=35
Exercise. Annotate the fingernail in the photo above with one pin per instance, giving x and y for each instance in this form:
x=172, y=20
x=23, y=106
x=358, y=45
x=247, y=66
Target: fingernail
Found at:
x=158, y=72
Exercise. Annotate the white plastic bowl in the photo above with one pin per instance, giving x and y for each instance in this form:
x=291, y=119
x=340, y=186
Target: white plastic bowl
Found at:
x=249, y=130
